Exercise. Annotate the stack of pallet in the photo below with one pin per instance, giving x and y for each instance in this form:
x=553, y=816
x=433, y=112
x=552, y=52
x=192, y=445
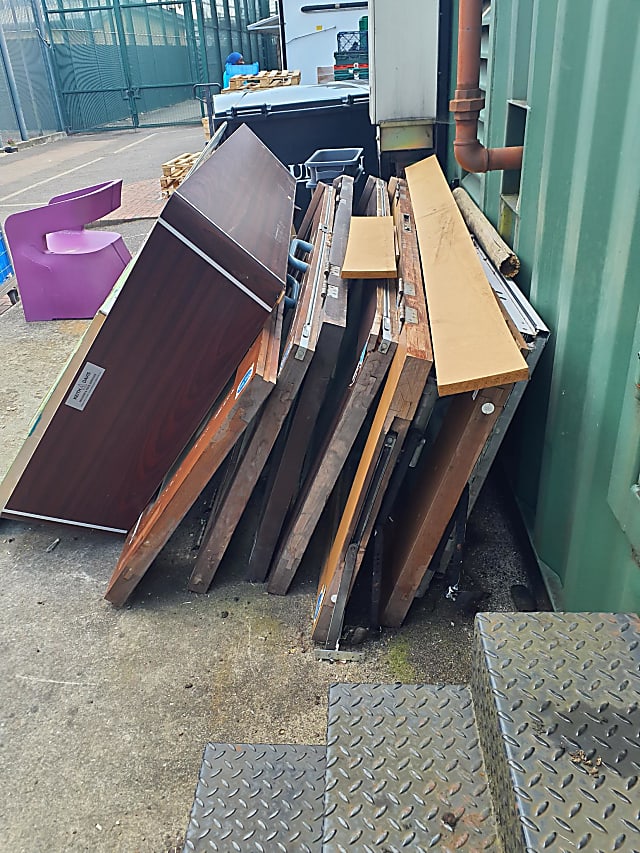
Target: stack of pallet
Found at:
x=175, y=171
x=359, y=416
x=263, y=80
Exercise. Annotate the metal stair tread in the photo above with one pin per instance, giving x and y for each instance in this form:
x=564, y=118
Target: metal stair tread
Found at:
x=405, y=771
x=557, y=698
x=265, y=798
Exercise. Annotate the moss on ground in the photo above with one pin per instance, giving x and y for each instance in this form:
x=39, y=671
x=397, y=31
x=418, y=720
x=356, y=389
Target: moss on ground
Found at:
x=398, y=660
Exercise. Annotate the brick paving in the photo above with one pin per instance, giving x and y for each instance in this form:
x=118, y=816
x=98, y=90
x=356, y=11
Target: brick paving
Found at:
x=140, y=200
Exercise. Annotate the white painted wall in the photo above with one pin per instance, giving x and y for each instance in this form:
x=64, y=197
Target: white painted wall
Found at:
x=312, y=37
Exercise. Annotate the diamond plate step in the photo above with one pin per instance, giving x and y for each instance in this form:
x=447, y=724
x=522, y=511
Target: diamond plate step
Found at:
x=258, y=798
x=557, y=701
x=405, y=771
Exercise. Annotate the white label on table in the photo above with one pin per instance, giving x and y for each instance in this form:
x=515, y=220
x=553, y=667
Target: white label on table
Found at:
x=84, y=387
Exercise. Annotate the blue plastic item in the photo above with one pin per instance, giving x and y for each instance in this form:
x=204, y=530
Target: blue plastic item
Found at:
x=5, y=262
x=232, y=70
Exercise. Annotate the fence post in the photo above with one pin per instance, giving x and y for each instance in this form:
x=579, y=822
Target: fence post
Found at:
x=214, y=76
x=47, y=50
x=126, y=65
x=203, y=64
x=13, y=88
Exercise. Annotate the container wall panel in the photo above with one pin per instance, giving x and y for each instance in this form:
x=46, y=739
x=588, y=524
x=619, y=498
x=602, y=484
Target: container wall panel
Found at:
x=576, y=226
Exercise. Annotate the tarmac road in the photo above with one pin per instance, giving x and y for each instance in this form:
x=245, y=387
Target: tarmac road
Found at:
x=32, y=176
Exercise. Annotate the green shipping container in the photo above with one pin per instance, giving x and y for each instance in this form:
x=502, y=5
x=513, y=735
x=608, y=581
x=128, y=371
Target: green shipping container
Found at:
x=562, y=77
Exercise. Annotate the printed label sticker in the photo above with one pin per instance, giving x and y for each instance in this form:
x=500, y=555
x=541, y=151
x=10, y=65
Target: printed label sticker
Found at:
x=84, y=387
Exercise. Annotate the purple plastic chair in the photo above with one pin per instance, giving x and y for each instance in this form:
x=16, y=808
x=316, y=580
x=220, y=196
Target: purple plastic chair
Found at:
x=64, y=272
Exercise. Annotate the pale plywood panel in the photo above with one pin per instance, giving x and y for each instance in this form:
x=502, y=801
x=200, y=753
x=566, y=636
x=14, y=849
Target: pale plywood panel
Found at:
x=371, y=248
x=472, y=344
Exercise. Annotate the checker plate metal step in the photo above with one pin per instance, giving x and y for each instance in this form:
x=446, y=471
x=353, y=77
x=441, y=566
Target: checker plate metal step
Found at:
x=557, y=701
x=258, y=798
x=400, y=759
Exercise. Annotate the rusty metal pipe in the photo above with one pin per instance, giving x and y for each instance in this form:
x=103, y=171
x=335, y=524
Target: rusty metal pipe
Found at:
x=468, y=100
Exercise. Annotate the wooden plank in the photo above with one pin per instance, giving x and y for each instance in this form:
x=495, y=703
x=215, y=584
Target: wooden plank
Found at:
x=416, y=339
x=286, y=479
x=197, y=295
x=334, y=565
x=445, y=472
x=473, y=347
x=333, y=568
x=417, y=355
x=371, y=248
x=296, y=359
x=352, y=411
x=253, y=380
x=499, y=253
x=368, y=190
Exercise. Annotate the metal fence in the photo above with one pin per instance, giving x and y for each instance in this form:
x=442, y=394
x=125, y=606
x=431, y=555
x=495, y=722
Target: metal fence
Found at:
x=98, y=64
x=28, y=102
x=134, y=63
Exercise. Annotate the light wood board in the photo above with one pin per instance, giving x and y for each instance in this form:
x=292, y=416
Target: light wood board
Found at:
x=473, y=347
x=371, y=248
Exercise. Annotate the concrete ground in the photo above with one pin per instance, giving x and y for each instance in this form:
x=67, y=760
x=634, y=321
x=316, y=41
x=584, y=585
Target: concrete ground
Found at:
x=106, y=712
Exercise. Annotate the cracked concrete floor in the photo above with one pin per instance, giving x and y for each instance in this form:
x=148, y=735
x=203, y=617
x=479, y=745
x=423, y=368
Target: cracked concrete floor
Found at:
x=106, y=712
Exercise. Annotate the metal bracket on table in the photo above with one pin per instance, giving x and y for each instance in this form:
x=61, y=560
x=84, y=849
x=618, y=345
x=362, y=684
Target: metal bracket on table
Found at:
x=376, y=577
x=323, y=231
x=296, y=265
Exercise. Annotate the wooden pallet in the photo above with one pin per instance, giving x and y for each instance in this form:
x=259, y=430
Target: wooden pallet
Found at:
x=263, y=80
x=175, y=171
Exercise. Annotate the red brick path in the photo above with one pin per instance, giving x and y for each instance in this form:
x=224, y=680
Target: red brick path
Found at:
x=140, y=200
